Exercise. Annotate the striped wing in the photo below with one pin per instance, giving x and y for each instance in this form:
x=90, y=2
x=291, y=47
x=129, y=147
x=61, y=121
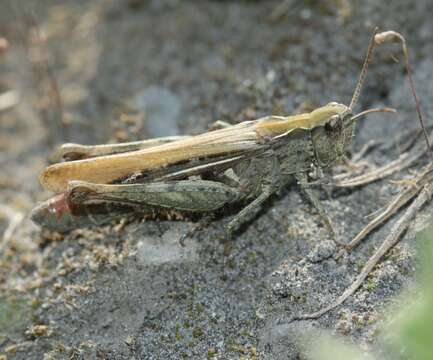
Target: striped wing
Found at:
x=107, y=169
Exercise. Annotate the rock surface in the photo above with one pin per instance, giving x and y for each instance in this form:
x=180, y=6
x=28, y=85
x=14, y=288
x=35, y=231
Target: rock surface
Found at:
x=129, y=290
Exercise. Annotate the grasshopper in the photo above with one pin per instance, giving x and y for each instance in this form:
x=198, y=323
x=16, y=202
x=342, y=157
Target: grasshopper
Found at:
x=244, y=163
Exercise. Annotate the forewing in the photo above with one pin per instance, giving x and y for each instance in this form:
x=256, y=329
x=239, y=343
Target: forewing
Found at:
x=233, y=140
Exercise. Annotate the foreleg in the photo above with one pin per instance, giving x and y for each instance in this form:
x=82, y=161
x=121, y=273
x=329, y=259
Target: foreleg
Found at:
x=312, y=197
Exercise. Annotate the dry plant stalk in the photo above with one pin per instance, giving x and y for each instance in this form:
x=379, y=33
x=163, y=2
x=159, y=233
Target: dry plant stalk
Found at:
x=418, y=190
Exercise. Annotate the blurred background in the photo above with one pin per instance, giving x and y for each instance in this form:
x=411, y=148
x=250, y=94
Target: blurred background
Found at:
x=106, y=71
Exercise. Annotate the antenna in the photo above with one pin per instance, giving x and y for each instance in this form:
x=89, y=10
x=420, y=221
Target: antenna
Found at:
x=369, y=111
x=363, y=73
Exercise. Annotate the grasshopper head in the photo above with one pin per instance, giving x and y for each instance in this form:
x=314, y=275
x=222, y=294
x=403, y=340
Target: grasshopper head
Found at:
x=333, y=133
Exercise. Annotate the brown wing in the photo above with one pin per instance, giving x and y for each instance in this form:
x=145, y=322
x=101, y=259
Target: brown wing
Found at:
x=106, y=169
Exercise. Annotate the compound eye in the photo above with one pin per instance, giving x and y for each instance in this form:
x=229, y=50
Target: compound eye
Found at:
x=347, y=117
x=333, y=123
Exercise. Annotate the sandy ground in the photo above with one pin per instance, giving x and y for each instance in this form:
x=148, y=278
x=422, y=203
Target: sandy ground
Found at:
x=127, y=70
